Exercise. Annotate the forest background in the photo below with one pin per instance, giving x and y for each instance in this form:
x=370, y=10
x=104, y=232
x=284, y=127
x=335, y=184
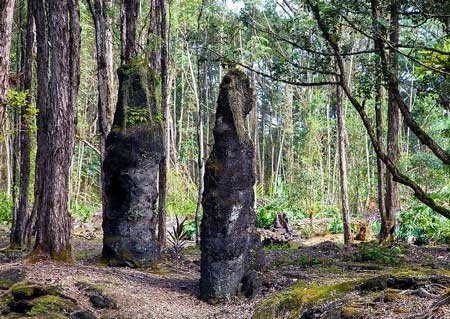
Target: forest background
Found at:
x=296, y=53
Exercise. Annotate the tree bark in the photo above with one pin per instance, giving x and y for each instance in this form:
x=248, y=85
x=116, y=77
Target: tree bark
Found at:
x=343, y=165
x=163, y=165
x=6, y=22
x=18, y=230
x=56, y=124
x=104, y=74
x=129, y=15
x=391, y=199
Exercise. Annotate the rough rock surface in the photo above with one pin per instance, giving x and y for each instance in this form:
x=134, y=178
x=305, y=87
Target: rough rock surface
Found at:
x=230, y=245
x=133, y=153
x=10, y=276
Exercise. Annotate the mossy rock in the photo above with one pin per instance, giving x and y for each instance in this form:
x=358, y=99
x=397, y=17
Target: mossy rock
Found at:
x=51, y=305
x=292, y=301
x=10, y=276
x=30, y=291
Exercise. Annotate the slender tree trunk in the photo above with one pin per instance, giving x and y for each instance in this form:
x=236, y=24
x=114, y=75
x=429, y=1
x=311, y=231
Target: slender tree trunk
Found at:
x=6, y=22
x=391, y=199
x=163, y=166
x=380, y=165
x=56, y=124
x=18, y=230
x=104, y=80
x=200, y=159
x=343, y=165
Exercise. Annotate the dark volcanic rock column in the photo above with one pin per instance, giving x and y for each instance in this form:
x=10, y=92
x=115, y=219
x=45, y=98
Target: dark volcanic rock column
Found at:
x=133, y=153
x=230, y=246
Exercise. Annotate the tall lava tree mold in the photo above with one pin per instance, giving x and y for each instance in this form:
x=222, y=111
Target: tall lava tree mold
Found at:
x=230, y=245
x=133, y=152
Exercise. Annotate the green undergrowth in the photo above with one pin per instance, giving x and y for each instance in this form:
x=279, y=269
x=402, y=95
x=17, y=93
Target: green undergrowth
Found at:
x=369, y=252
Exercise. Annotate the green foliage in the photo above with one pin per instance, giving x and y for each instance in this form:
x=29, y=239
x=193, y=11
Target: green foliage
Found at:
x=189, y=228
x=6, y=205
x=336, y=226
x=181, y=195
x=17, y=101
x=178, y=238
x=422, y=225
x=83, y=211
x=308, y=261
x=266, y=215
x=373, y=253
x=136, y=115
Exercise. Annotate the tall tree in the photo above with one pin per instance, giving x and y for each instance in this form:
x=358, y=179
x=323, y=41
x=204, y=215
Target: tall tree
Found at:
x=343, y=163
x=104, y=78
x=19, y=232
x=163, y=166
x=379, y=31
x=99, y=11
x=57, y=22
x=6, y=22
x=391, y=198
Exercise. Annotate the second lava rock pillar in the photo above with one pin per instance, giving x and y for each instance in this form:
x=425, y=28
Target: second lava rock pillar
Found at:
x=230, y=245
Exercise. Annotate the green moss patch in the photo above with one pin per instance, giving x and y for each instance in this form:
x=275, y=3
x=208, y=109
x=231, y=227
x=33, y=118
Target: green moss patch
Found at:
x=290, y=303
x=51, y=305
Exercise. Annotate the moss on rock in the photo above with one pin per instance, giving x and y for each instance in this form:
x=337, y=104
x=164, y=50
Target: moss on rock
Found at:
x=290, y=302
x=51, y=305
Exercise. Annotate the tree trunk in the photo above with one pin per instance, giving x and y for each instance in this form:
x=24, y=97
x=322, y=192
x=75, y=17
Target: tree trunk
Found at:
x=380, y=165
x=18, y=230
x=99, y=15
x=56, y=124
x=6, y=22
x=104, y=80
x=163, y=165
x=391, y=199
x=129, y=11
x=343, y=165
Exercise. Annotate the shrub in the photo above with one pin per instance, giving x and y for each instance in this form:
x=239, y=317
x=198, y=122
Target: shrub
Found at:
x=422, y=225
x=384, y=255
x=6, y=205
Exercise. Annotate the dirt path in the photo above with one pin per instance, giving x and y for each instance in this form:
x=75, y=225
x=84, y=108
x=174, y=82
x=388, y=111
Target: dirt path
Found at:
x=166, y=291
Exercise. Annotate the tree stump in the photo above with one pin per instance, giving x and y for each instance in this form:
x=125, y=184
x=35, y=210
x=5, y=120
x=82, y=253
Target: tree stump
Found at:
x=230, y=245
x=133, y=152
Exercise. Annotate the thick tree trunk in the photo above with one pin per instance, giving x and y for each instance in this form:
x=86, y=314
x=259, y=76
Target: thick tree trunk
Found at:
x=6, y=22
x=391, y=199
x=18, y=230
x=56, y=124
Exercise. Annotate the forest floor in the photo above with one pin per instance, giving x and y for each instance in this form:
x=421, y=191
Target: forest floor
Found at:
x=315, y=278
